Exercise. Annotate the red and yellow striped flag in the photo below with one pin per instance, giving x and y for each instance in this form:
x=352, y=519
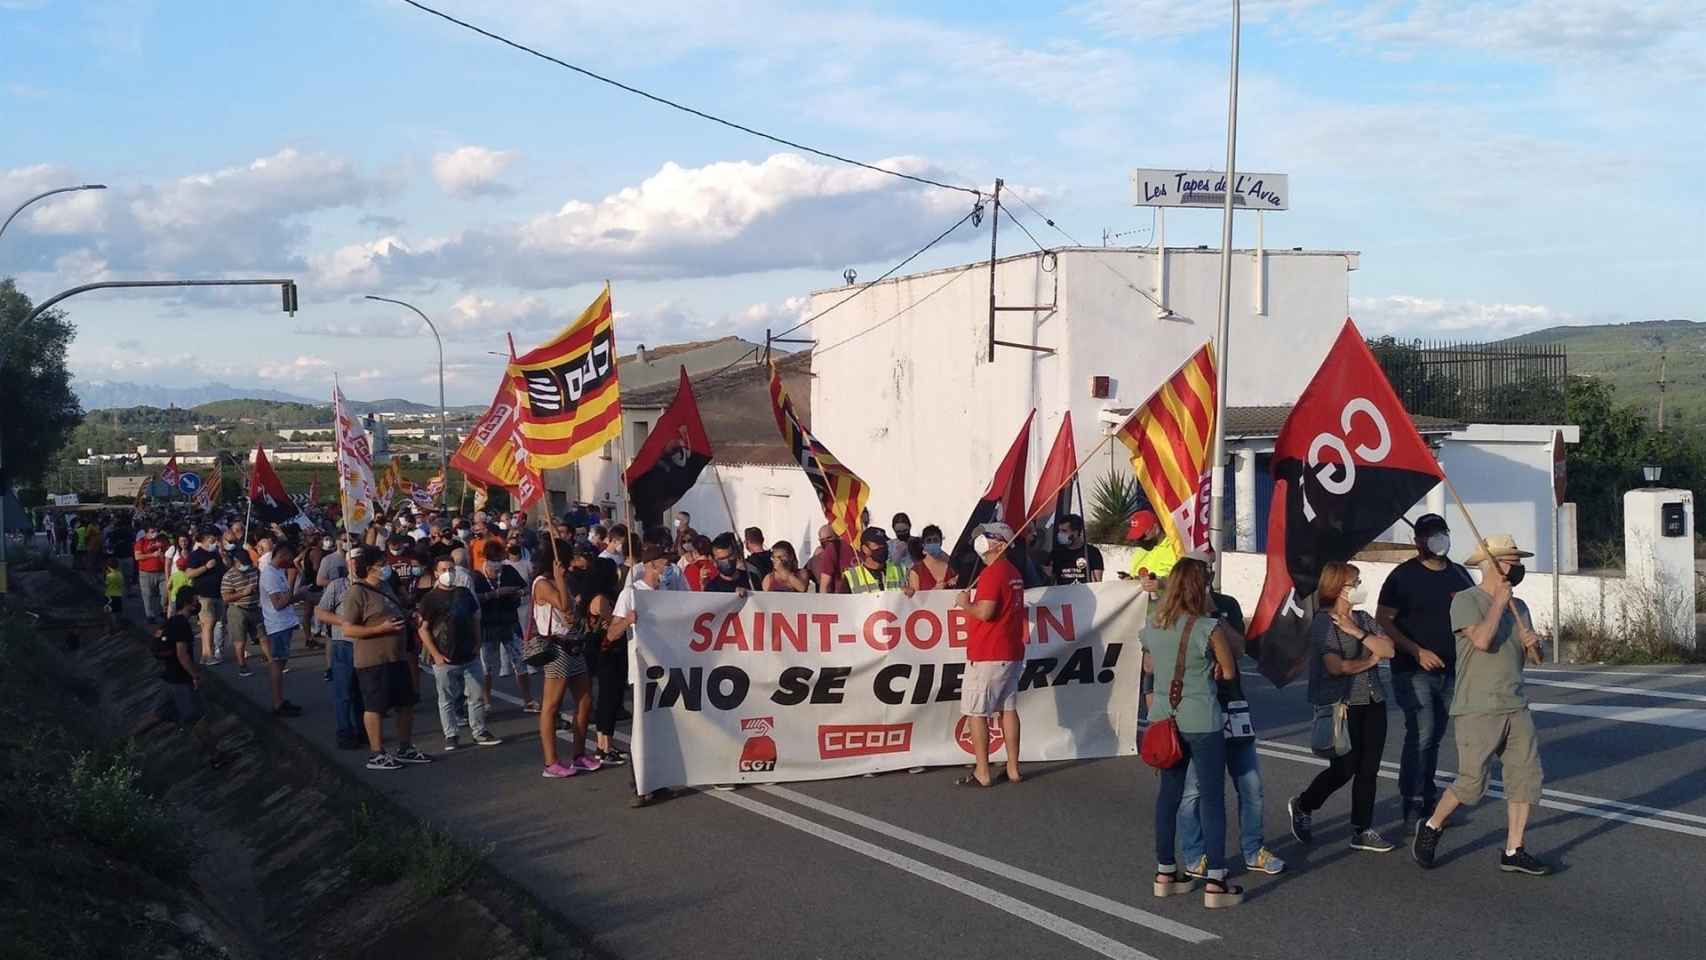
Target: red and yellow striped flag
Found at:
x=571, y=403
x=1169, y=438
x=841, y=494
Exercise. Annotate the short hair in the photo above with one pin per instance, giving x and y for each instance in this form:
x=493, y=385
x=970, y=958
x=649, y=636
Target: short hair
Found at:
x=617, y=531
x=931, y=530
x=599, y=531
x=1334, y=576
x=755, y=535
x=725, y=541
x=1072, y=520
x=701, y=544
x=493, y=552
x=363, y=560
x=899, y=519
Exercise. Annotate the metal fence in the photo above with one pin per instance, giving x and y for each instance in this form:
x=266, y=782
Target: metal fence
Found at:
x=1477, y=382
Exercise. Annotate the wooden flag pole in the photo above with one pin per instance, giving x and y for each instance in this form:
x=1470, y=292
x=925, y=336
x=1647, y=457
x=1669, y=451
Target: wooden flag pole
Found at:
x=1055, y=493
x=735, y=527
x=1452, y=489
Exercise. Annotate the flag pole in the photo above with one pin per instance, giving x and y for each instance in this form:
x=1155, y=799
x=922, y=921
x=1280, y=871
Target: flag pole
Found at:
x=718, y=476
x=1452, y=489
x=1079, y=466
x=1217, y=456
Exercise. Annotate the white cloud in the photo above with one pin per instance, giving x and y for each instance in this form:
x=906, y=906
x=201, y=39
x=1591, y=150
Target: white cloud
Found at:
x=1404, y=315
x=472, y=171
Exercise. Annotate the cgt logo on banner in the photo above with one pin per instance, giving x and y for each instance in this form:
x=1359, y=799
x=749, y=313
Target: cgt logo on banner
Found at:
x=782, y=687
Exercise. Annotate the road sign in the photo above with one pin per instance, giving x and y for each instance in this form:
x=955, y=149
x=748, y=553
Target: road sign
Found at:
x=1207, y=188
x=189, y=483
x=1558, y=467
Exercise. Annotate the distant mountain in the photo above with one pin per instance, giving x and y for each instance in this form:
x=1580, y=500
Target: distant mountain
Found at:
x=106, y=394
x=391, y=405
x=1632, y=356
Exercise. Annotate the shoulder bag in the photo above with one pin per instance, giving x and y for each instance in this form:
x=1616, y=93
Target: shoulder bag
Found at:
x=1161, y=747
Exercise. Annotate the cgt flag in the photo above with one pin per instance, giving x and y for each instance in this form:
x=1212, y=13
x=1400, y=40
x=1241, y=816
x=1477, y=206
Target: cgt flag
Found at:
x=571, y=401
x=267, y=496
x=1002, y=502
x=1347, y=465
x=841, y=494
x=671, y=459
x=1168, y=437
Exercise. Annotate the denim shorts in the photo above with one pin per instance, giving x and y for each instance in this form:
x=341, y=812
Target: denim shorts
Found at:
x=279, y=643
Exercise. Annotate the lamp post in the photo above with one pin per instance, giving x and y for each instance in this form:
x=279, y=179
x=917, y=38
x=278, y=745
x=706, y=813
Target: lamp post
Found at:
x=1222, y=348
x=48, y=193
x=443, y=457
x=287, y=286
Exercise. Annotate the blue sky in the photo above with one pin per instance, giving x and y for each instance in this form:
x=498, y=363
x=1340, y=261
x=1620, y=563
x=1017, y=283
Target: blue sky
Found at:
x=1502, y=165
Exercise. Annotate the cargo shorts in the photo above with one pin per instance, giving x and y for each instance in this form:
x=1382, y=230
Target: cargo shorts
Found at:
x=1511, y=738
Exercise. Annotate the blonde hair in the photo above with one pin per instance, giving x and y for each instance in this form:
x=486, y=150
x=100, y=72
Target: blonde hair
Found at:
x=1334, y=576
x=1187, y=592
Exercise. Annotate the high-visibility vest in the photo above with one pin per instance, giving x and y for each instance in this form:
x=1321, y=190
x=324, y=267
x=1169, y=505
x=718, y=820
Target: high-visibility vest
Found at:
x=1158, y=560
x=861, y=580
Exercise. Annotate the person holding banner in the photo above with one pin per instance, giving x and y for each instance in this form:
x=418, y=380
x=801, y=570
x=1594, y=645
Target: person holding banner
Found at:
x=785, y=573
x=934, y=569
x=557, y=619
x=996, y=652
x=875, y=572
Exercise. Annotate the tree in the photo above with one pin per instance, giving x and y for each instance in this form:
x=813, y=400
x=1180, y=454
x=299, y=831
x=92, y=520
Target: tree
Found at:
x=1616, y=442
x=36, y=400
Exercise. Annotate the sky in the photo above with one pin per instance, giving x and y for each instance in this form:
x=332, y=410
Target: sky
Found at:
x=1502, y=165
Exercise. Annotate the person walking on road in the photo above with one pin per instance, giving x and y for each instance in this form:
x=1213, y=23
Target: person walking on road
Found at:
x=995, y=652
x=450, y=634
x=280, y=619
x=1346, y=647
x=205, y=571
x=151, y=572
x=374, y=621
x=1495, y=639
x=1192, y=650
x=1415, y=611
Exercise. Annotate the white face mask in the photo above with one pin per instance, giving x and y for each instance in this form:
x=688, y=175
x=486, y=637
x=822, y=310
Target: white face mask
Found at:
x=1063, y=538
x=980, y=544
x=1438, y=544
x=1357, y=595
x=445, y=578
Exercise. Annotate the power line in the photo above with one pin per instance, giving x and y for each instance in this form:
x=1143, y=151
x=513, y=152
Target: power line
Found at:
x=1129, y=282
x=683, y=107
x=1058, y=229
x=1021, y=225
x=820, y=351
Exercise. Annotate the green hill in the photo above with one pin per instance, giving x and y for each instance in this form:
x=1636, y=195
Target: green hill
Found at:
x=276, y=412
x=1629, y=356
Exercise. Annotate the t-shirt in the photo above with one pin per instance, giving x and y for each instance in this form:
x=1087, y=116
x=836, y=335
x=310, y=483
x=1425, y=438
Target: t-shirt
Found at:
x=115, y=583
x=1074, y=564
x=453, y=618
x=367, y=607
x=275, y=580
x=176, y=631
x=330, y=600
x=1199, y=707
x=499, y=615
x=625, y=601
x=1422, y=598
x=831, y=560
x=741, y=580
x=207, y=584
x=1003, y=637
x=332, y=566
x=760, y=565
x=698, y=572
x=1488, y=681
x=239, y=579
x=150, y=556
x=598, y=579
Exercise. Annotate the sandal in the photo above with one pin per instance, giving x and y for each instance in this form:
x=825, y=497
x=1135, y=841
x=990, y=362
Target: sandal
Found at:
x=1229, y=895
x=970, y=780
x=1177, y=883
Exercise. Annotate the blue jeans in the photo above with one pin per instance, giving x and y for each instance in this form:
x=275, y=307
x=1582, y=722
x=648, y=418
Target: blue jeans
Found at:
x=1424, y=696
x=457, y=681
x=1247, y=780
x=346, y=695
x=1206, y=762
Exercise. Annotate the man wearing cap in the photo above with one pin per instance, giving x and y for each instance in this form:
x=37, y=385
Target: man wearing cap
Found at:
x=995, y=652
x=1154, y=555
x=874, y=572
x=1415, y=611
x=1495, y=638
x=832, y=557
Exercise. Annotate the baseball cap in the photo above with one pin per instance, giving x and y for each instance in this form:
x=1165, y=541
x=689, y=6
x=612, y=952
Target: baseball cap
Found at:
x=1142, y=522
x=997, y=531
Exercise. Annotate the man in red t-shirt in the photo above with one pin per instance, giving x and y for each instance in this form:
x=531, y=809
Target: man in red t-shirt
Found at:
x=996, y=652
x=832, y=559
x=151, y=571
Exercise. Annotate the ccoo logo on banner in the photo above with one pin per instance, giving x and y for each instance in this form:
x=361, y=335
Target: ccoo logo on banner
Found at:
x=780, y=687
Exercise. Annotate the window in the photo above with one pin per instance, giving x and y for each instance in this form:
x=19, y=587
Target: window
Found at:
x=642, y=429
x=605, y=453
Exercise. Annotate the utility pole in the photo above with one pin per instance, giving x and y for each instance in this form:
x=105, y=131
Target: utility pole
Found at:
x=1661, y=391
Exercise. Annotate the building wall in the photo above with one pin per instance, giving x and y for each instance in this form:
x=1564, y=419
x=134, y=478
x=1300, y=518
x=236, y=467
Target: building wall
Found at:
x=1504, y=474
x=915, y=408
x=778, y=500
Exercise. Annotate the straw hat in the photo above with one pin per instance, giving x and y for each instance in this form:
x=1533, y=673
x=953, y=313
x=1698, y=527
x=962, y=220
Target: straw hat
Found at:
x=1501, y=546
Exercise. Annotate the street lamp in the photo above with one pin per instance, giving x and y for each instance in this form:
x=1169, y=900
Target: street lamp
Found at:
x=443, y=457
x=1650, y=473
x=49, y=193
x=10, y=337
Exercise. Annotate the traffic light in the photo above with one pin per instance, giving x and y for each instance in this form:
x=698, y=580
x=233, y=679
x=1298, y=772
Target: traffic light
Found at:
x=290, y=297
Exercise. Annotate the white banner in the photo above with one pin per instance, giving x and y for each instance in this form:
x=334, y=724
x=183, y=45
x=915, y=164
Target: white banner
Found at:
x=1207, y=188
x=355, y=467
x=783, y=686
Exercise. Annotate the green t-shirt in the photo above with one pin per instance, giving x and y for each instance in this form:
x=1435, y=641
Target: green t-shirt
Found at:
x=1488, y=681
x=1199, y=708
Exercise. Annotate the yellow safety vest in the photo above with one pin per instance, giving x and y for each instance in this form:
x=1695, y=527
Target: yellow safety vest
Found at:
x=1158, y=560
x=861, y=580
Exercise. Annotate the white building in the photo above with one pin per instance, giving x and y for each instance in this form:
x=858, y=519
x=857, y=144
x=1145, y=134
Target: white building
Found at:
x=186, y=443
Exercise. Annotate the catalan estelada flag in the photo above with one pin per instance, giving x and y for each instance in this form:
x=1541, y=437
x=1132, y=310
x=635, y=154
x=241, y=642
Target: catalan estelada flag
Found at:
x=571, y=404
x=842, y=494
x=1169, y=437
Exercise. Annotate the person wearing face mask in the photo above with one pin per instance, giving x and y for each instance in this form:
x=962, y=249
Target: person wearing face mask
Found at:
x=785, y=573
x=279, y=616
x=900, y=548
x=1153, y=557
x=1415, y=611
x=731, y=575
x=450, y=634
x=1495, y=640
x=995, y=653
x=205, y=571
x=1073, y=560
x=1346, y=647
x=647, y=575
x=500, y=587
x=239, y=588
x=934, y=569
x=875, y=572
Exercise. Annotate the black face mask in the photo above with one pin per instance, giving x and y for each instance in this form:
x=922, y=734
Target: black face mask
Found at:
x=880, y=555
x=725, y=566
x=1514, y=575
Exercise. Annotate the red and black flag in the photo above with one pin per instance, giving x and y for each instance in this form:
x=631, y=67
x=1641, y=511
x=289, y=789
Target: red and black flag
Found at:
x=1347, y=465
x=268, y=499
x=670, y=460
x=1056, y=479
x=1002, y=502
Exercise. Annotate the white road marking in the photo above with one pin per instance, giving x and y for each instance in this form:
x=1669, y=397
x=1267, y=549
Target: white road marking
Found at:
x=1646, y=675
x=1624, y=691
x=1680, y=717
x=988, y=896
x=1551, y=799
x=1005, y=871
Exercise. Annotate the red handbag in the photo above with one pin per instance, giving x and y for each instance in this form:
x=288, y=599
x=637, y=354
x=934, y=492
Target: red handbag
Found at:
x=1161, y=747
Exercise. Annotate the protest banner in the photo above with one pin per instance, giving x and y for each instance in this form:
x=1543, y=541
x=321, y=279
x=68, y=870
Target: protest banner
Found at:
x=780, y=687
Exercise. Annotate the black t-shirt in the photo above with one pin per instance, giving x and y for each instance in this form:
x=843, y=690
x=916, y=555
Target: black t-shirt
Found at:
x=1228, y=611
x=741, y=580
x=600, y=578
x=176, y=631
x=1422, y=599
x=453, y=616
x=207, y=585
x=501, y=612
x=1064, y=561
x=760, y=565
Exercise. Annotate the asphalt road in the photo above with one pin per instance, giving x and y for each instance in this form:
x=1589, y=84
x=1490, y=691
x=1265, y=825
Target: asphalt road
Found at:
x=1059, y=865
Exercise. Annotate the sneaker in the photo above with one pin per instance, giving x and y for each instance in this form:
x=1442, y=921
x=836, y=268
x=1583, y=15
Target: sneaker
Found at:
x=1266, y=862
x=1197, y=870
x=1426, y=845
x=1523, y=862
x=587, y=762
x=612, y=757
x=557, y=771
x=1372, y=842
x=531, y=706
x=327, y=677
x=723, y=787
x=409, y=754
x=915, y=769
x=450, y=744
x=287, y=709
x=485, y=739
x=1300, y=821
x=245, y=672
x=383, y=761
x=285, y=668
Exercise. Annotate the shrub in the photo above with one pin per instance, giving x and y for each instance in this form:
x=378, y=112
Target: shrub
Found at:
x=102, y=801
x=432, y=859
x=1116, y=497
